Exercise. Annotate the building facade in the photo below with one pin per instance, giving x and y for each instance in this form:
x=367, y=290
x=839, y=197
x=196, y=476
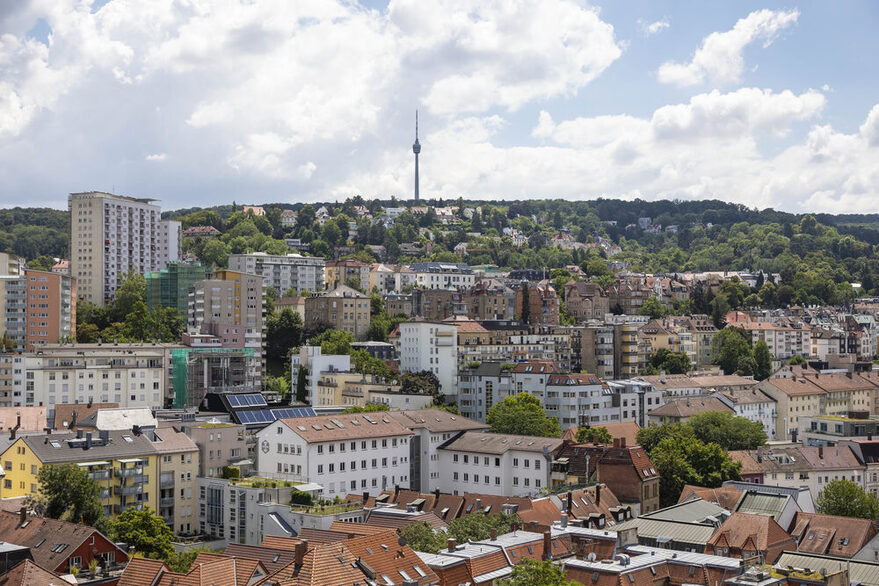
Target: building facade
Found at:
x=343, y=308
x=282, y=272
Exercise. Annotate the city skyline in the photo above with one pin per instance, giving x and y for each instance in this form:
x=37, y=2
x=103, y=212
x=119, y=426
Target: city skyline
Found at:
x=766, y=106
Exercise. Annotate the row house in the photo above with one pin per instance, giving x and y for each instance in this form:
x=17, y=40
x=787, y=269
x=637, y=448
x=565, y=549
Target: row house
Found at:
x=542, y=303
x=586, y=301
x=443, y=275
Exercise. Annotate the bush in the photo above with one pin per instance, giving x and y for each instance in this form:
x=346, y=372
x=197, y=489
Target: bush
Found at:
x=231, y=472
x=299, y=497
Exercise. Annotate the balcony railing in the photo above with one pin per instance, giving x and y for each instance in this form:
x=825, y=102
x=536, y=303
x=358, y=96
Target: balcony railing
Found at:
x=121, y=508
x=129, y=472
x=166, y=502
x=100, y=475
x=128, y=490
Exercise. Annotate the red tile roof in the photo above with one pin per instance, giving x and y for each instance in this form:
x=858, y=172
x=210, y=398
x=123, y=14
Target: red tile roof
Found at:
x=27, y=573
x=383, y=553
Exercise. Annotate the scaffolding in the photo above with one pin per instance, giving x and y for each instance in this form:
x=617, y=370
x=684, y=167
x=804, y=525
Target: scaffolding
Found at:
x=170, y=287
x=198, y=371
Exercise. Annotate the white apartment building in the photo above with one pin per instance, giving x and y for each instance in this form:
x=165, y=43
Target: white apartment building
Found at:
x=315, y=363
x=495, y=463
x=431, y=429
x=636, y=397
x=482, y=387
x=443, y=275
x=133, y=375
x=353, y=453
x=785, y=338
x=385, y=277
x=753, y=405
x=111, y=235
x=579, y=399
x=283, y=272
x=433, y=346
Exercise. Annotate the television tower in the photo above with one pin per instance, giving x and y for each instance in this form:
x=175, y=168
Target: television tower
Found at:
x=416, y=148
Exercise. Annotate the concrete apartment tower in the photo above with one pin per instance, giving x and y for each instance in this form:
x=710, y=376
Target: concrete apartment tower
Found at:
x=111, y=235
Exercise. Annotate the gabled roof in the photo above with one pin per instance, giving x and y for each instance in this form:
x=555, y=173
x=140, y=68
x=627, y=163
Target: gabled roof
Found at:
x=688, y=407
x=45, y=536
x=434, y=420
x=830, y=534
x=328, y=428
x=27, y=573
x=273, y=559
x=142, y=571
x=383, y=553
x=329, y=564
x=55, y=448
x=742, y=528
x=725, y=496
x=501, y=443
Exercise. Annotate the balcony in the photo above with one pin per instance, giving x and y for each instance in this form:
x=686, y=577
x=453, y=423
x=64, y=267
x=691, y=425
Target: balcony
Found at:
x=118, y=509
x=129, y=472
x=166, y=502
x=166, y=481
x=128, y=490
x=100, y=475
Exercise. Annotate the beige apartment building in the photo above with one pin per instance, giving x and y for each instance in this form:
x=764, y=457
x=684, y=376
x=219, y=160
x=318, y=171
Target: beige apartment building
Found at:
x=178, y=468
x=343, y=308
x=111, y=235
x=219, y=444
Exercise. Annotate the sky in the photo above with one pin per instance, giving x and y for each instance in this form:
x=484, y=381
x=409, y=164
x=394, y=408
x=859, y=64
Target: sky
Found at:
x=206, y=102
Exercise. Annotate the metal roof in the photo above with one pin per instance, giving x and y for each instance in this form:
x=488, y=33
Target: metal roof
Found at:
x=760, y=503
x=692, y=511
x=864, y=573
x=677, y=531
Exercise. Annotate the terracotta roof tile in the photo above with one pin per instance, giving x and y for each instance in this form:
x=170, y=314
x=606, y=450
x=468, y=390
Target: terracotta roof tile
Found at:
x=27, y=573
x=140, y=571
x=385, y=556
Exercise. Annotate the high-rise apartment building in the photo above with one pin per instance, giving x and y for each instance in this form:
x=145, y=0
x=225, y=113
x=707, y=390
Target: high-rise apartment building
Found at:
x=38, y=308
x=111, y=235
x=229, y=305
x=282, y=272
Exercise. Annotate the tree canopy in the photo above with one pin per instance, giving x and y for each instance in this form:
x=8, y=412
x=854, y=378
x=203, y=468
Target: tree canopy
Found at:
x=522, y=414
x=69, y=494
x=536, y=572
x=144, y=531
x=847, y=499
x=598, y=435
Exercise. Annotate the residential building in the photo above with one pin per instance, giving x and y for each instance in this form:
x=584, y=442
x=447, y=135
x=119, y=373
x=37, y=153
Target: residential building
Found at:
x=680, y=410
x=586, y=301
x=389, y=278
x=356, y=453
x=442, y=275
x=122, y=463
x=253, y=210
x=230, y=305
x=317, y=363
x=348, y=272
x=625, y=469
x=542, y=303
x=702, y=331
x=431, y=428
x=438, y=304
x=592, y=349
x=177, y=468
x=39, y=308
x=282, y=271
x=132, y=375
x=786, y=338
x=431, y=346
x=219, y=444
x=399, y=304
x=630, y=351
x=111, y=235
x=59, y=546
x=482, y=386
x=288, y=218
x=489, y=300
x=170, y=286
x=492, y=463
x=296, y=304
x=342, y=308
x=748, y=536
x=754, y=405
x=207, y=363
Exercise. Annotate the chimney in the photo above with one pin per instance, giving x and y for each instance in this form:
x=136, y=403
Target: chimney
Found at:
x=299, y=551
x=452, y=544
x=478, y=504
x=22, y=515
x=616, y=442
x=547, y=545
x=493, y=534
x=14, y=429
x=365, y=496
x=514, y=527
x=48, y=430
x=72, y=420
x=570, y=500
x=622, y=442
x=396, y=491
x=564, y=522
x=436, y=495
x=869, y=437
x=88, y=440
x=90, y=403
x=597, y=495
x=78, y=434
x=821, y=452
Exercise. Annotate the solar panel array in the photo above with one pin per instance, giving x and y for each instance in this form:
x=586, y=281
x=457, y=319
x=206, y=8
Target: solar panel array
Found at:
x=257, y=416
x=250, y=400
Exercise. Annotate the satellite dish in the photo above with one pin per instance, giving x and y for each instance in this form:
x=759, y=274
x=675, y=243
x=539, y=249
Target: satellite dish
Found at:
x=401, y=542
x=591, y=557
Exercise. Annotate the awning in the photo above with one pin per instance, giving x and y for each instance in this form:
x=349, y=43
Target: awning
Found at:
x=131, y=460
x=240, y=463
x=309, y=487
x=101, y=463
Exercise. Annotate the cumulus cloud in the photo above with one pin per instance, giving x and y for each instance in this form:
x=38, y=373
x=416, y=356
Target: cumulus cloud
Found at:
x=651, y=28
x=719, y=58
x=156, y=157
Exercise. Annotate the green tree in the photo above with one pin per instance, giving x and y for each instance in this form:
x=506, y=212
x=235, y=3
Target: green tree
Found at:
x=653, y=307
x=144, y=531
x=763, y=360
x=681, y=461
x=719, y=308
x=420, y=536
x=598, y=435
x=301, y=389
x=69, y=494
x=526, y=305
x=370, y=408
x=283, y=332
x=522, y=414
x=131, y=291
x=478, y=527
x=729, y=345
x=670, y=362
x=214, y=253
x=181, y=562
x=796, y=360
x=332, y=341
x=533, y=572
x=279, y=385
x=727, y=430
x=847, y=499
